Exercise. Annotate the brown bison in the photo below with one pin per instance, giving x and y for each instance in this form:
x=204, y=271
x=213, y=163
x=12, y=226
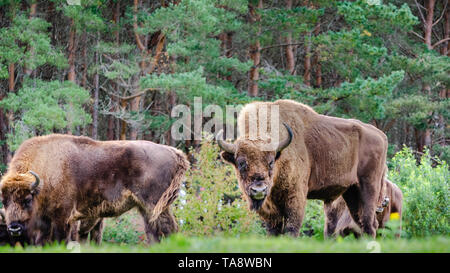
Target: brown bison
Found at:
x=317, y=157
x=339, y=222
x=56, y=184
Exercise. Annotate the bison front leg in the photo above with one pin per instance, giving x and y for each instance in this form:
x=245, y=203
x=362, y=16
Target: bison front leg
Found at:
x=294, y=212
x=61, y=231
x=274, y=227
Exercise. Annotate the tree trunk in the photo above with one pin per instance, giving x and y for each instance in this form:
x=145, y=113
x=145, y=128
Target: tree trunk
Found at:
x=255, y=53
x=423, y=138
x=71, y=76
x=428, y=26
x=111, y=119
x=12, y=79
x=289, y=49
x=96, y=89
x=123, y=125
x=317, y=65
x=26, y=68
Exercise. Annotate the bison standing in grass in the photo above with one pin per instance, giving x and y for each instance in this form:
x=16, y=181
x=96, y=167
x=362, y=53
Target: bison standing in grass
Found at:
x=338, y=220
x=56, y=184
x=317, y=157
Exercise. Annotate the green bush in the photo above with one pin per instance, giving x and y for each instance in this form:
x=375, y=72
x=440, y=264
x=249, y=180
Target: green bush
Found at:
x=313, y=222
x=124, y=229
x=210, y=201
x=425, y=193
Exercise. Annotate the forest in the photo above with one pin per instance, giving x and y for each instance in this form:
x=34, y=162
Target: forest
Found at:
x=115, y=70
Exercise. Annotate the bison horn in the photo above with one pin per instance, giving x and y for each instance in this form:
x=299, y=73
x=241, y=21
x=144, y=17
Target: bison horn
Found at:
x=283, y=144
x=227, y=147
x=35, y=183
x=2, y=214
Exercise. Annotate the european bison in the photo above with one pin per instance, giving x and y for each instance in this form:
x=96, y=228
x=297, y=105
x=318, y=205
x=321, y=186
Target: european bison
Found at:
x=317, y=157
x=339, y=222
x=54, y=182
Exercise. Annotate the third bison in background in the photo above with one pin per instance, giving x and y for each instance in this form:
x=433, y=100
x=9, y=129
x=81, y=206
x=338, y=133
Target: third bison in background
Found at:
x=338, y=221
x=318, y=157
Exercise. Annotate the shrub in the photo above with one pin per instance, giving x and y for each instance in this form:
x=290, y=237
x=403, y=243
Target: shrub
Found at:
x=210, y=201
x=124, y=229
x=425, y=193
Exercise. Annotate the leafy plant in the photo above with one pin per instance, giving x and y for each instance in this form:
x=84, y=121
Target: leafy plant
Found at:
x=426, y=193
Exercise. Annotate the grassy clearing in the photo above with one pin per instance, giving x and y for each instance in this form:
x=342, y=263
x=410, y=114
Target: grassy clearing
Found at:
x=179, y=243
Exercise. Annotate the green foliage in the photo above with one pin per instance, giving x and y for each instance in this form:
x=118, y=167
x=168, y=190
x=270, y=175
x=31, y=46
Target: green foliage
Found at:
x=363, y=15
x=122, y=230
x=210, y=202
x=364, y=99
x=191, y=27
x=23, y=33
x=426, y=193
x=45, y=107
x=314, y=219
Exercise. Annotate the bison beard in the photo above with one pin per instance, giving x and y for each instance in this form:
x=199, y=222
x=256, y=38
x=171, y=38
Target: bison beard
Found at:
x=323, y=158
x=57, y=184
x=256, y=204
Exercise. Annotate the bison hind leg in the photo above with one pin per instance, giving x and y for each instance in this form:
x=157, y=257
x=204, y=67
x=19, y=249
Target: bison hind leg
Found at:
x=165, y=224
x=150, y=232
x=353, y=201
x=92, y=227
x=97, y=232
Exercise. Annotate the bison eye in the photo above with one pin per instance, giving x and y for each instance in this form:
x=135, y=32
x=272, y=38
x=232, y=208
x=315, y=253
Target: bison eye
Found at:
x=242, y=165
x=271, y=164
x=28, y=202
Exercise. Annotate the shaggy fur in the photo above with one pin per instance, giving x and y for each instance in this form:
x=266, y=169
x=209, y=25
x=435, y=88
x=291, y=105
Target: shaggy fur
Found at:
x=339, y=222
x=328, y=157
x=86, y=180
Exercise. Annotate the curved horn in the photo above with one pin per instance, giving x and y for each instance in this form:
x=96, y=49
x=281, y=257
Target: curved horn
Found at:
x=283, y=144
x=35, y=183
x=227, y=147
x=2, y=214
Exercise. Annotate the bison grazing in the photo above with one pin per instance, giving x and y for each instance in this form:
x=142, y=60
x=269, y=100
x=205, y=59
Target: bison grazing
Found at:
x=317, y=157
x=339, y=222
x=57, y=183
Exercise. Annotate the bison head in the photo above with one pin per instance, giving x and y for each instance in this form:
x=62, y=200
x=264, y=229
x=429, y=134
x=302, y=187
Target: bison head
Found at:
x=255, y=166
x=18, y=194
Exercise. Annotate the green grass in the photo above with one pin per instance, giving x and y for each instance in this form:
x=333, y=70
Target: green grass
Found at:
x=179, y=243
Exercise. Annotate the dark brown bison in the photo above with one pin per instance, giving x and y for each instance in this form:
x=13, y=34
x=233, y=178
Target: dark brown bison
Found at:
x=56, y=184
x=339, y=222
x=317, y=157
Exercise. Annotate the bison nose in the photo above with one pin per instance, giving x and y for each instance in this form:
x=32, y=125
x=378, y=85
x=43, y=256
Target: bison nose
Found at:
x=258, y=192
x=15, y=229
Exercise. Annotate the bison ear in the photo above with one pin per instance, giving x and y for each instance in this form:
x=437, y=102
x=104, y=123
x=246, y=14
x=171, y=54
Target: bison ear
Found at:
x=229, y=157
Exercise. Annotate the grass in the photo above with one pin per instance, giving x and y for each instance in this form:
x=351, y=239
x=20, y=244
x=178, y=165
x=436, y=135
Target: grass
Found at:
x=261, y=244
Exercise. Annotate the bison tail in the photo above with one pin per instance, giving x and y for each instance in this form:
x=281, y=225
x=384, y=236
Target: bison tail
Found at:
x=171, y=193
